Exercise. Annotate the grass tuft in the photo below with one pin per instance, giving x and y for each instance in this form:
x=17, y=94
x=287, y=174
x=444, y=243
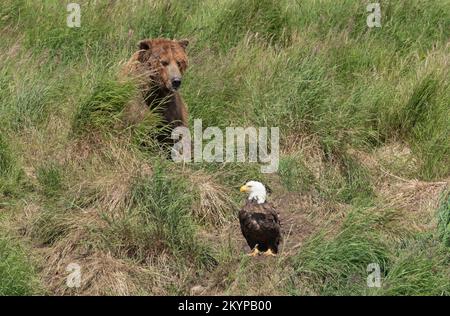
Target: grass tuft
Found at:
x=443, y=214
x=102, y=111
x=163, y=203
x=17, y=274
x=50, y=177
x=339, y=264
x=11, y=176
x=267, y=19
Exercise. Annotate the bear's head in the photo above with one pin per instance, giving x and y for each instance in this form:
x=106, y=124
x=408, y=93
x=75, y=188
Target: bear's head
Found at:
x=165, y=60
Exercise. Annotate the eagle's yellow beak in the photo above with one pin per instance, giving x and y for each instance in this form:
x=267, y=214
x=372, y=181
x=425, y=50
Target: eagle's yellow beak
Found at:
x=244, y=188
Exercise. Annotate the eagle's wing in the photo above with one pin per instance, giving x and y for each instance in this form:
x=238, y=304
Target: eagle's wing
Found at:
x=260, y=223
x=271, y=213
x=271, y=223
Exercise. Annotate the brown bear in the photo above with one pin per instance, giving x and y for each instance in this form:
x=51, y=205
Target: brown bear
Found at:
x=159, y=65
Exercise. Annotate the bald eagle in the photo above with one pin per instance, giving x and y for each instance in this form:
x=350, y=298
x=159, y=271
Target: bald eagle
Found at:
x=260, y=223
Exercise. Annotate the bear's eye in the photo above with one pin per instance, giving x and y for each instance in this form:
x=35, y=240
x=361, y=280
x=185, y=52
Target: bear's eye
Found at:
x=164, y=63
x=179, y=64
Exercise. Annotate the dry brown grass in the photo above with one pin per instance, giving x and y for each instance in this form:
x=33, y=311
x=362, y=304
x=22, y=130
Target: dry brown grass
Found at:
x=215, y=205
x=413, y=201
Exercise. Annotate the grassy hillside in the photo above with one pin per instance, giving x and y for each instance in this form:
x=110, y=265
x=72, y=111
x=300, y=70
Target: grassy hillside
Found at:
x=364, y=120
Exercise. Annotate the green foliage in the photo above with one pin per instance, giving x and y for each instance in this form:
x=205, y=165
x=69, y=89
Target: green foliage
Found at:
x=16, y=271
x=145, y=133
x=420, y=104
x=427, y=115
x=338, y=265
x=402, y=29
x=102, y=110
x=163, y=204
x=268, y=19
x=6, y=159
x=10, y=11
x=358, y=180
x=347, y=181
x=50, y=177
x=295, y=175
x=10, y=174
x=164, y=18
x=25, y=101
x=45, y=29
x=443, y=214
x=419, y=268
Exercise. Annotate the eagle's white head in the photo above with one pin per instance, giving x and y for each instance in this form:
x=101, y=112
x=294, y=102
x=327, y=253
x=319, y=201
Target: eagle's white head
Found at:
x=256, y=191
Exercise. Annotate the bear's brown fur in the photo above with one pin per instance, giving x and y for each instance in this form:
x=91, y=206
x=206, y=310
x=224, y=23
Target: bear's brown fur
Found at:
x=159, y=65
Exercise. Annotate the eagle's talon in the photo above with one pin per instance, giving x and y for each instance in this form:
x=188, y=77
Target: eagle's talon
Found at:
x=269, y=253
x=254, y=252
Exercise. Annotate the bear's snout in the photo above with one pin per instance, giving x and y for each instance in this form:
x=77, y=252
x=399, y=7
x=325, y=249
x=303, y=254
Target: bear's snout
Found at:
x=176, y=83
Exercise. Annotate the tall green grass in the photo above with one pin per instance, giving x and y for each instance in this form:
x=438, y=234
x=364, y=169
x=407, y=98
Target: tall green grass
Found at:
x=295, y=175
x=17, y=273
x=420, y=268
x=443, y=214
x=51, y=178
x=267, y=19
x=11, y=175
x=102, y=111
x=25, y=96
x=338, y=265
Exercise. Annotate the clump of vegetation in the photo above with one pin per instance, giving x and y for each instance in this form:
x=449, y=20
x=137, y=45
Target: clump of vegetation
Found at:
x=338, y=265
x=6, y=160
x=16, y=271
x=166, y=18
x=144, y=133
x=443, y=214
x=51, y=225
x=295, y=175
x=163, y=202
x=357, y=177
x=428, y=121
x=50, y=177
x=101, y=112
x=345, y=181
x=265, y=18
x=10, y=174
x=420, y=268
x=159, y=221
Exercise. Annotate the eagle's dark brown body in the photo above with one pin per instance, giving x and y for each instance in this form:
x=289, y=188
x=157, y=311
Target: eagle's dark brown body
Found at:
x=260, y=225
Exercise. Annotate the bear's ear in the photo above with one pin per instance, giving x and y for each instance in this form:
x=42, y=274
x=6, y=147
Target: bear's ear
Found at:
x=145, y=44
x=183, y=43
